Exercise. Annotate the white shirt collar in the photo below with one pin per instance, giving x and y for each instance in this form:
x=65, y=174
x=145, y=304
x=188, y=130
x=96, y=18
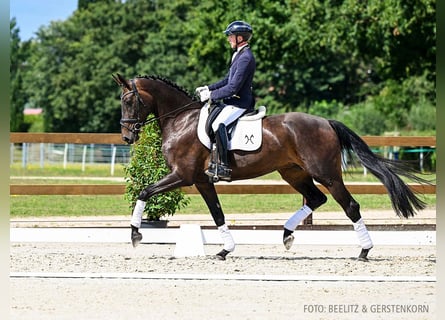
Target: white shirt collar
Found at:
x=238, y=50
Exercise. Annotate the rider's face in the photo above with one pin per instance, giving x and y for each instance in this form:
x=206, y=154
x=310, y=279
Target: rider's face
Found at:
x=232, y=40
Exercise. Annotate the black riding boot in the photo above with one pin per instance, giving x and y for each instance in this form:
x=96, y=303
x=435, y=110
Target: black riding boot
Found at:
x=221, y=170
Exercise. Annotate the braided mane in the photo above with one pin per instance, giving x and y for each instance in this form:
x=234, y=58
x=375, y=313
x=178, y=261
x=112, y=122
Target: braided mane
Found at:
x=168, y=82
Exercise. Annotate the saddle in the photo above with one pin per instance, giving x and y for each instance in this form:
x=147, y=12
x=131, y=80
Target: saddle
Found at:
x=244, y=134
x=214, y=110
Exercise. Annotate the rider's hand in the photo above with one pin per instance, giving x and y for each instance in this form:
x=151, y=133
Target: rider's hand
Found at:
x=199, y=89
x=204, y=93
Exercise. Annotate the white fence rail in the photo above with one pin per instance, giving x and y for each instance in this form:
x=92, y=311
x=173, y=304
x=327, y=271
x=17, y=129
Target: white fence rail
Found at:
x=42, y=154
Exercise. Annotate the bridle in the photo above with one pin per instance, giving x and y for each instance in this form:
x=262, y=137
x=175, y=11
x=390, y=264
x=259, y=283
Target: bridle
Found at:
x=138, y=122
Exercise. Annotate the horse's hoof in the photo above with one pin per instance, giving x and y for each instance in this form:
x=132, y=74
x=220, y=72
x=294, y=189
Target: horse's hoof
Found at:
x=222, y=254
x=136, y=238
x=288, y=241
x=363, y=257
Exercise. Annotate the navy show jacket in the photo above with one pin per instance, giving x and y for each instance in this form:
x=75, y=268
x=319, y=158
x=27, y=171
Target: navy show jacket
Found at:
x=236, y=88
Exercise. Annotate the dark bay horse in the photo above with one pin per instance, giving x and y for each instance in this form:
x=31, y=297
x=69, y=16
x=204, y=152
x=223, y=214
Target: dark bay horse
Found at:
x=303, y=148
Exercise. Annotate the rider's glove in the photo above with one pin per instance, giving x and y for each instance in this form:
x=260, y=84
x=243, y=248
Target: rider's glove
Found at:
x=199, y=89
x=203, y=92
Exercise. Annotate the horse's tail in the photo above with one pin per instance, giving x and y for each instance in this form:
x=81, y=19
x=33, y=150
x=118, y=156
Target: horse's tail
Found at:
x=404, y=201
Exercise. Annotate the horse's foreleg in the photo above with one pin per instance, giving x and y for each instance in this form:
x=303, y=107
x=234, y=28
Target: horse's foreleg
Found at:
x=136, y=220
x=169, y=182
x=208, y=193
x=229, y=243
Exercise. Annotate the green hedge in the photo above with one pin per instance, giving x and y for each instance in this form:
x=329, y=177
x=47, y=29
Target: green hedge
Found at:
x=147, y=166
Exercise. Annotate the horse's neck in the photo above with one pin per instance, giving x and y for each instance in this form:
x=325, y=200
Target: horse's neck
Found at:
x=179, y=110
x=172, y=103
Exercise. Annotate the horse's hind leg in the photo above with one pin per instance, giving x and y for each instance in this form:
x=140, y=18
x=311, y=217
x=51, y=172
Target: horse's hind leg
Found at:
x=314, y=198
x=304, y=184
x=352, y=210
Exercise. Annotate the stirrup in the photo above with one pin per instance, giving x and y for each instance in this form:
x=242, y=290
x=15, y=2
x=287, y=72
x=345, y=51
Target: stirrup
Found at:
x=218, y=172
x=211, y=172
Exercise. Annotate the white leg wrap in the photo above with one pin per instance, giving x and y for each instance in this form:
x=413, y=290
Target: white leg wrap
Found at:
x=229, y=244
x=298, y=216
x=138, y=210
x=362, y=234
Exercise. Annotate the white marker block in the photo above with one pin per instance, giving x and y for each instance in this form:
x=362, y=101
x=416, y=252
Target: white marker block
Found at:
x=190, y=242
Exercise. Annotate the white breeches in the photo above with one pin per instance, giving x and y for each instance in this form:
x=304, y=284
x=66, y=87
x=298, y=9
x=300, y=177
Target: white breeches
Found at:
x=227, y=116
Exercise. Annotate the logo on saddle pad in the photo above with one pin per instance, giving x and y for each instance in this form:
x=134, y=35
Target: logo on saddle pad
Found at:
x=246, y=135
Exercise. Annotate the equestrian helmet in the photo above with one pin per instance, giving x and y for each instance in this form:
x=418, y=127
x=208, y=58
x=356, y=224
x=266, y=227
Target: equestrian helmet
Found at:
x=239, y=28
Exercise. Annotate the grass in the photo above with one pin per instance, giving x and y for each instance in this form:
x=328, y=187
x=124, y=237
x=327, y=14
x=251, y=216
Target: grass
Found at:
x=71, y=170
x=102, y=205
x=44, y=180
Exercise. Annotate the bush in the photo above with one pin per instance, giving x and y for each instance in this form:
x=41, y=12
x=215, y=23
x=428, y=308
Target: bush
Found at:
x=422, y=117
x=364, y=119
x=34, y=123
x=147, y=166
x=325, y=109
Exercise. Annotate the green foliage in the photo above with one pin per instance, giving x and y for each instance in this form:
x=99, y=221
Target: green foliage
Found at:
x=326, y=109
x=34, y=123
x=16, y=96
x=422, y=111
x=401, y=106
x=364, y=119
x=147, y=166
x=83, y=4
x=422, y=117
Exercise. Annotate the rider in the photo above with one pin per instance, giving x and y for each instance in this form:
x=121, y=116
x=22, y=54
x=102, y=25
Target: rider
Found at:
x=235, y=90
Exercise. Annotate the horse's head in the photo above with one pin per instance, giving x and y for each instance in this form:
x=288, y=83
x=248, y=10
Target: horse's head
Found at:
x=136, y=105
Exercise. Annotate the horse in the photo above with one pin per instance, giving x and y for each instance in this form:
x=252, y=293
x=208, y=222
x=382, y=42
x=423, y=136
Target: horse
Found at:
x=303, y=148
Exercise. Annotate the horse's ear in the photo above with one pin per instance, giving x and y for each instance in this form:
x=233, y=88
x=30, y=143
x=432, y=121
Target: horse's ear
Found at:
x=121, y=81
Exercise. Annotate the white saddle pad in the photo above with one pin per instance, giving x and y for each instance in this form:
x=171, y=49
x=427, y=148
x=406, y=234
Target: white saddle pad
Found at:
x=247, y=134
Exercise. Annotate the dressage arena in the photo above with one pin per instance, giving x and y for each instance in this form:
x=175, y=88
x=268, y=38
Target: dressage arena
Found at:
x=95, y=273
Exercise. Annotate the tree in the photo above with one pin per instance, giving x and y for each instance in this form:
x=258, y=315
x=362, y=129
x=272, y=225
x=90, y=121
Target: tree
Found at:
x=17, y=63
x=83, y=4
x=166, y=39
x=74, y=64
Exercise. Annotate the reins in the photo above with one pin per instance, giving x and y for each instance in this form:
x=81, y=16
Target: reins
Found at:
x=167, y=115
x=138, y=124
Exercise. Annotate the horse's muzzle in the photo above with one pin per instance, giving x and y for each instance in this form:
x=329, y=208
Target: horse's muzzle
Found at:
x=127, y=140
x=130, y=139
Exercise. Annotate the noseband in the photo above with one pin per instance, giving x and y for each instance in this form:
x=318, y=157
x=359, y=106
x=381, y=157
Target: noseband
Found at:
x=138, y=123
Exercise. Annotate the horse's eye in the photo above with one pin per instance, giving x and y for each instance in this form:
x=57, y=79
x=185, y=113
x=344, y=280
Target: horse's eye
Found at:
x=128, y=102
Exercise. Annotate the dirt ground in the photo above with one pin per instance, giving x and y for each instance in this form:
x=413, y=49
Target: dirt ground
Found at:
x=51, y=281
